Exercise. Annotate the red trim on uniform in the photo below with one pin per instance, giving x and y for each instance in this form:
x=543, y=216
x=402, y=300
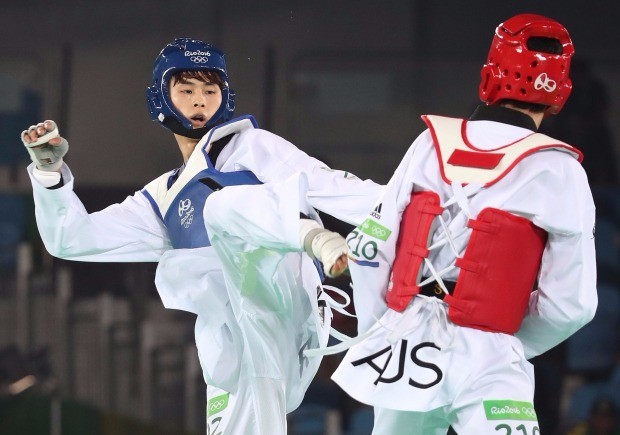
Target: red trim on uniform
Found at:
x=474, y=159
x=509, y=168
x=532, y=151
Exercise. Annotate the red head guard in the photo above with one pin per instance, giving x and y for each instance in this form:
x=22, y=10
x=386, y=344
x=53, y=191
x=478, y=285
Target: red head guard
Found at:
x=513, y=71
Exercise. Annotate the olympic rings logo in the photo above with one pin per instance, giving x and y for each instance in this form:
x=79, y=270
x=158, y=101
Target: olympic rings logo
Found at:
x=199, y=59
x=529, y=412
x=378, y=232
x=187, y=220
x=217, y=406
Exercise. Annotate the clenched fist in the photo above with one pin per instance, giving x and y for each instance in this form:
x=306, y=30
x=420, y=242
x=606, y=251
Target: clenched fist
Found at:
x=45, y=145
x=330, y=248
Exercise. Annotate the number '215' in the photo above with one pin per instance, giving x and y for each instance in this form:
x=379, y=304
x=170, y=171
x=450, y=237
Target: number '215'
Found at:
x=520, y=428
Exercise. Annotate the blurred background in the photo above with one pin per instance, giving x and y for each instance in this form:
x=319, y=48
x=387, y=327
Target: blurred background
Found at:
x=89, y=349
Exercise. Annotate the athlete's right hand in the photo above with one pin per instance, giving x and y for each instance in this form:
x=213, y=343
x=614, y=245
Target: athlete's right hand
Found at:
x=45, y=145
x=331, y=249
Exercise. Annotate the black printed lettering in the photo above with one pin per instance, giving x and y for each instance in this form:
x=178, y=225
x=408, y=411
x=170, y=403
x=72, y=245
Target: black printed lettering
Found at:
x=419, y=362
x=369, y=360
x=401, y=365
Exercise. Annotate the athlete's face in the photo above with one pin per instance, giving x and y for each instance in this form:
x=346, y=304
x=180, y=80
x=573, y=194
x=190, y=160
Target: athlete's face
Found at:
x=196, y=100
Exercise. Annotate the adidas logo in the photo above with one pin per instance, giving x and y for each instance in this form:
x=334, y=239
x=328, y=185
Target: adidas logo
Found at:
x=376, y=213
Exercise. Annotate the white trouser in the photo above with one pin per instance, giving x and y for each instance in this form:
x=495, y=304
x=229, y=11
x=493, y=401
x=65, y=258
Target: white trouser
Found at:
x=273, y=290
x=423, y=373
x=257, y=407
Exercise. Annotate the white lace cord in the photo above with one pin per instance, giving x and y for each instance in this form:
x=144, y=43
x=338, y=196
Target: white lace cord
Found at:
x=404, y=327
x=440, y=273
x=338, y=335
x=401, y=328
x=446, y=237
x=440, y=331
x=346, y=342
x=342, y=346
x=460, y=196
x=440, y=314
x=449, y=237
x=331, y=304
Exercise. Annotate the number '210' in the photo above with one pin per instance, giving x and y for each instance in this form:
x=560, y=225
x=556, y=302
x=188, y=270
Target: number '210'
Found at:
x=521, y=428
x=367, y=249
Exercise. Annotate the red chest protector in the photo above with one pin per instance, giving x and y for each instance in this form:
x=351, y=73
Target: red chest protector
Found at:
x=501, y=262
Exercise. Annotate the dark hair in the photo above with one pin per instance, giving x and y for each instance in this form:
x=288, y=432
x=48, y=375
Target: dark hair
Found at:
x=204, y=76
x=532, y=107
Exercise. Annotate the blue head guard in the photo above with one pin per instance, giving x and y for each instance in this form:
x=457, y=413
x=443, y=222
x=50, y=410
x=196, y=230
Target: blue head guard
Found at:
x=185, y=54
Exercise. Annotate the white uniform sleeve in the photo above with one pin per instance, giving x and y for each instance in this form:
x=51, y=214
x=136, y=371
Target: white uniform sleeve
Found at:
x=46, y=178
x=566, y=297
x=125, y=232
x=335, y=192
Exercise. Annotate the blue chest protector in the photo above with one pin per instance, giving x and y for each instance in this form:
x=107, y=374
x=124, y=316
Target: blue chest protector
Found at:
x=184, y=219
x=183, y=216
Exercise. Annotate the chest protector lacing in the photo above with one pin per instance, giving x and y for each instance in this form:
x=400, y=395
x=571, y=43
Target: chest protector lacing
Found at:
x=501, y=261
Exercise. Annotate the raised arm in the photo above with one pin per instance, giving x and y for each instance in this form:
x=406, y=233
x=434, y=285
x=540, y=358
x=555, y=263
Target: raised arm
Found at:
x=125, y=232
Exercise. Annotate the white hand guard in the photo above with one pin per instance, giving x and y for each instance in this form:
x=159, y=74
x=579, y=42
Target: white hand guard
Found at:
x=327, y=246
x=47, y=157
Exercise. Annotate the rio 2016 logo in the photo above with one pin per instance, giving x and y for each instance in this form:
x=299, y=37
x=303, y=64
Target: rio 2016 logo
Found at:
x=198, y=56
x=186, y=212
x=197, y=53
x=544, y=82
